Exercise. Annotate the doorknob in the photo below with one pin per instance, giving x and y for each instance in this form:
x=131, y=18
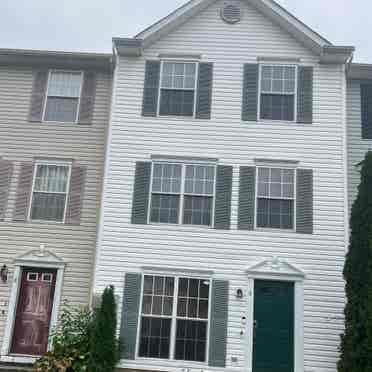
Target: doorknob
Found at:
x=255, y=325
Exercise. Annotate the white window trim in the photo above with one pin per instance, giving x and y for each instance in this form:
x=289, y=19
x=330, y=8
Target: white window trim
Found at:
x=273, y=64
x=182, y=194
x=174, y=317
x=286, y=274
x=175, y=60
x=32, y=259
x=294, y=198
x=57, y=163
x=79, y=98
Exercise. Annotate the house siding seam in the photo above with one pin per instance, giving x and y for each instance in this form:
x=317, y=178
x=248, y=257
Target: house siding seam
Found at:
x=125, y=247
x=21, y=141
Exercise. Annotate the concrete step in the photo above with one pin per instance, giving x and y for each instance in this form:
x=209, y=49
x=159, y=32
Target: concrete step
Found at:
x=15, y=367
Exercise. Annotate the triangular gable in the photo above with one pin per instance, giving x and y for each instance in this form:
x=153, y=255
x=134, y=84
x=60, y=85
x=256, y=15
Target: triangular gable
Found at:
x=40, y=257
x=269, y=8
x=275, y=266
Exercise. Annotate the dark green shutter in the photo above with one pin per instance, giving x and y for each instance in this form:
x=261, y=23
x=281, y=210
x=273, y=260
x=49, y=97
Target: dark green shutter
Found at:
x=366, y=110
x=141, y=192
x=305, y=95
x=247, y=194
x=23, y=192
x=151, y=88
x=250, y=92
x=218, y=323
x=204, y=91
x=222, y=215
x=129, y=315
x=304, y=207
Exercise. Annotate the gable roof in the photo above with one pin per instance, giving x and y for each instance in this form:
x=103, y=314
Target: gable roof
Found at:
x=276, y=13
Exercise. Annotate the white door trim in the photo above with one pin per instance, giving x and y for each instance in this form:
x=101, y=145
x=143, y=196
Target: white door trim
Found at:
x=277, y=270
x=37, y=259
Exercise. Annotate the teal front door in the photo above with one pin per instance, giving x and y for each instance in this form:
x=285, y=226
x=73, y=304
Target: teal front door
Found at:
x=273, y=334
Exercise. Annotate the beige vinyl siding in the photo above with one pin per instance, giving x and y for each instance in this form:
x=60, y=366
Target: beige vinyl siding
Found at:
x=356, y=146
x=319, y=146
x=21, y=141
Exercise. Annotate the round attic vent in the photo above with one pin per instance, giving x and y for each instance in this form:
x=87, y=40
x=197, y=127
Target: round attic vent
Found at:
x=231, y=13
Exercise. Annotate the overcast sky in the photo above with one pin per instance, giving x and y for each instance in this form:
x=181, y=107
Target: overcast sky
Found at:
x=89, y=25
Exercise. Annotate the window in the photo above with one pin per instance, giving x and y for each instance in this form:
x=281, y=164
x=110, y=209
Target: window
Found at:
x=278, y=92
x=182, y=194
x=275, y=198
x=63, y=96
x=186, y=310
x=177, y=89
x=50, y=191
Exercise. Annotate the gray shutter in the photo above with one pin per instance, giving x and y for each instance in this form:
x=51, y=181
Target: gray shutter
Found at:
x=38, y=95
x=204, y=92
x=6, y=169
x=141, y=192
x=151, y=88
x=247, y=193
x=23, y=192
x=366, y=110
x=250, y=92
x=218, y=323
x=129, y=314
x=304, y=207
x=222, y=214
x=87, y=99
x=76, y=195
x=305, y=95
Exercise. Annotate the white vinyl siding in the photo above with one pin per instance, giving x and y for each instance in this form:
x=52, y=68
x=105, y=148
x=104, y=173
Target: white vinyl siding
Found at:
x=63, y=96
x=125, y=247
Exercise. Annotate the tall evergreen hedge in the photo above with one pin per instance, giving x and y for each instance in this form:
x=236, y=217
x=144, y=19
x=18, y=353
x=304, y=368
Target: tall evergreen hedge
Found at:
x=356, y=342
x=104, y=345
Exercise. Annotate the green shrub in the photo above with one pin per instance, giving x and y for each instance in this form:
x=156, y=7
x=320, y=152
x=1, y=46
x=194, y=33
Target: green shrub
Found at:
x=356, y=345
x=70, y=343
x=103, y=343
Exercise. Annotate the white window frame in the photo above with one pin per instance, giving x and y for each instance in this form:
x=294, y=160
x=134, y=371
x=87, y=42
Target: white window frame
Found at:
x=50, y=72
x=277, y=64
x=174, y=317
x=294, y=169
x=195, y=89
x=50, y=163
x=182, y=193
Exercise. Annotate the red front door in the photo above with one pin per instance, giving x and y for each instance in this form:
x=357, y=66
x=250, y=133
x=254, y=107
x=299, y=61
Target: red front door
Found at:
x=34, y=309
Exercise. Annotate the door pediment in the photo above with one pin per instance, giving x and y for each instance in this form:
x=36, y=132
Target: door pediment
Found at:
x=40, y=258
x=275, y=267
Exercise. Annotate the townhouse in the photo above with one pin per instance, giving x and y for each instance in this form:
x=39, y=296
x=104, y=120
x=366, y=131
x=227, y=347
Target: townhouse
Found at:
x=225, y=201
x=54, y=111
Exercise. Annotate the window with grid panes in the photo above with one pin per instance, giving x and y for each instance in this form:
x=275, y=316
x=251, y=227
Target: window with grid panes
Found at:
x=63, y=96
x=275, y=198
x=278, y=92
x=188, y=313
x=177, y=88
x=182, y=193
x=50, y=192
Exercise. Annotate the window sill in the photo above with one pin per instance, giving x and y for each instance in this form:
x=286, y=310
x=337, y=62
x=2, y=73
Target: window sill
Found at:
x=174, y=362
x=59, y=122
x=275, y=230
x=268, y=121
x=180, y=225
x=45, y=222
